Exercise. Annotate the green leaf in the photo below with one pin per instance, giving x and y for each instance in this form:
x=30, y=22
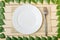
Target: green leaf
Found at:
x=58, y=7
x=7, y=1
x=2, y=4
x=2, y=16
x=2, y=35
x=58, y=2
x=37, y=38
x=14, y=38
x=41, y=1
x=54, y=38
x=31, y=38
x=18, y=1
x=58, y=35
x=58, y=25
x=48, y=1
x=43, y=38
x=58, y=30
x=34, y=1
x=1, y=29
x=2, y=10
x=12, y=0
x=20, y=38
x=53, y=1
x=25, y=38
x=49, y=38
x=24, y=1
x=1, y=13
x=2, y=22
x=58, y=13
x=29, y=1
x=8, y=38
x=58, y=18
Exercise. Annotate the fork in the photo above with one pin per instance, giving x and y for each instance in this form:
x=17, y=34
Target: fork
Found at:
x=45, y=19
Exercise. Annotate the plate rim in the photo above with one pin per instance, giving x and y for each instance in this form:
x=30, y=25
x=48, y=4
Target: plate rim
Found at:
x=41, y=19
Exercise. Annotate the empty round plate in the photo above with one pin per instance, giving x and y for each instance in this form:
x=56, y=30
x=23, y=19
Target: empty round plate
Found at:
x=27, y=19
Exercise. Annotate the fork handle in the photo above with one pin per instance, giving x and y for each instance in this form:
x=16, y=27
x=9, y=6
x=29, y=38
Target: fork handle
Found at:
x=45, y=25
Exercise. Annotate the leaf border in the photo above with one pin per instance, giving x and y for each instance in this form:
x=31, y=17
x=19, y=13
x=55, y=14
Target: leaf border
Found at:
x=2, y=5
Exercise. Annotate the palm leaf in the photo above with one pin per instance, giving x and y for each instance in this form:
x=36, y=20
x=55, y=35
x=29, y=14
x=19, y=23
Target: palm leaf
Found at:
x=2, y=4
x=54, y=38
x=58, y=2
x=18, y=1
x=48, y=1
x=1, y=29
x=2, y=10
x=58, y=13
x=29, y=1
x=58, y=35
x=34, y=1
x=41, y=1
x=53, y=1
x=58, y=25
x=14, y=38
x=24, y=1
x=2, y=16
x=7, y=1
x=58, y=7
x=31, y=38
x=58, y=18
x=2, y=22
x=20, y=38
x=8, y=38
x=58, y=30
x=25, y=38
x=12, y=0
x=49, y=38
x=43, y=38
x=2, y=35
x=37, y=38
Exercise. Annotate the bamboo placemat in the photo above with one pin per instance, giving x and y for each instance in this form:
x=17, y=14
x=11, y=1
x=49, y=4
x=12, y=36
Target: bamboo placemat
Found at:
x=51, y=19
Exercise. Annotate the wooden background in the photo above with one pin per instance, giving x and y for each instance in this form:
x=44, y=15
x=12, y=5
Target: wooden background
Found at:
x=51, y=19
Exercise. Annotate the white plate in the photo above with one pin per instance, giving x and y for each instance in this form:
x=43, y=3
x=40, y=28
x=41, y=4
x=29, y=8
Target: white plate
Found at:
x=27, y=19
